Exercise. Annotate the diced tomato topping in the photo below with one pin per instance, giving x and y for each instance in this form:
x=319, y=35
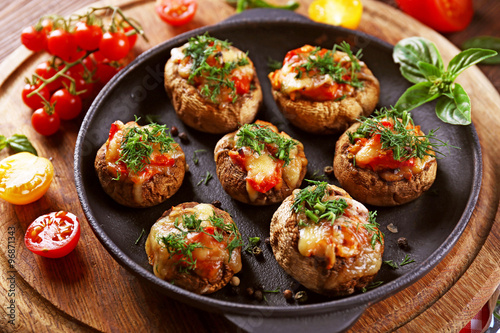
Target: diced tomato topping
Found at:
x=268, y=182
x=112, y=131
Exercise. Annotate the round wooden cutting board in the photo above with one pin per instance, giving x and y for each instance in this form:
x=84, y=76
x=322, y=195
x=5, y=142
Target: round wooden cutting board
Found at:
x=87, y=290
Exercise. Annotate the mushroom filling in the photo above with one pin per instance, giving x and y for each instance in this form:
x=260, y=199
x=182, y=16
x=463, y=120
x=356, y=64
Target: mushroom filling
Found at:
x=333, y=226
x=193, y=241
x=267, y=156
x=221, y=73
x=319, y=74
x=390, y=144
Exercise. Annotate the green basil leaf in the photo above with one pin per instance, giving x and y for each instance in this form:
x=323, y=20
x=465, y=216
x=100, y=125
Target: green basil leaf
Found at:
x=467, y=58
x=20, y=143
x=485, y=42
x=429, y=71
x=448, y=111
x=3, y=142
x=409, y=51
x=415, y=96
x=462, y=101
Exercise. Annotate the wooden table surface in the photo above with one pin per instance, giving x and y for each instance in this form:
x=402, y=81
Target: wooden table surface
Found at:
x=467, y=289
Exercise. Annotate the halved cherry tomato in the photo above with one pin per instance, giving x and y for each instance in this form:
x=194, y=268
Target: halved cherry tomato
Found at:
x=24, y=178
x=346, y=13
x=441, y=15
x=53, y=235
x=176, y=12
x=45, y=122
x=34, y=40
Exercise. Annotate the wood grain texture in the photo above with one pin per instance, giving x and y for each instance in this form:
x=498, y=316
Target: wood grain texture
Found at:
x=88, y=291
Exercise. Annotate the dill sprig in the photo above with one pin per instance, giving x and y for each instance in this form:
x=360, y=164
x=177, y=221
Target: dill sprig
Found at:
x=217, y=76
x=407, y=260
x=256, y=136
x=324, y=64
x=138, y=144
x=404, y=142
x=178, y=244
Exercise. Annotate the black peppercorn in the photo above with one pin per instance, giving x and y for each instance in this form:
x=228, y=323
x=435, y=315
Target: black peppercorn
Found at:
x=288, y=294
x=183, y=136
x=403, y=243
x=174, y=131
x=216, y=204
x=258, y=295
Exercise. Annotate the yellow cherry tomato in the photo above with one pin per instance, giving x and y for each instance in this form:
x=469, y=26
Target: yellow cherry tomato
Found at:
x=346, y=13
x=24, y=178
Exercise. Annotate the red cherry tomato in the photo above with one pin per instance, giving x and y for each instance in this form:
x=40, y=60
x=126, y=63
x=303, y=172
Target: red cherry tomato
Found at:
x=441, y=15
x=35, y=101
x=53, y=235
x=105, y=72
x=88, y=37
x=66, y=105
x=62, y=43
x=44, y=122
x=34, y=40
x=46, y=70
x=132, y=39
x=114, y=45
x=176, y=12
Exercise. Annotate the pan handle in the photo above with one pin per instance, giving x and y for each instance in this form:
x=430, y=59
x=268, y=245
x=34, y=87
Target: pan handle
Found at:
x=264, y=321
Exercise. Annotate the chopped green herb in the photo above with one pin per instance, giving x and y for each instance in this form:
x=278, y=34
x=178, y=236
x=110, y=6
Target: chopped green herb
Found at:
x=407, y=260
x=256, y=136
x=372, y=286
x=391, y=263
x=205, y=179
x=252, y=243
x=317, y=175
x=138, y=142
x=140, y=236
x=195, y=156
x=273, y=64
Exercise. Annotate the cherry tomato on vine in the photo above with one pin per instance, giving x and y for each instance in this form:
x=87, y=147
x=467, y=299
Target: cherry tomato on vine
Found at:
x=345, y=13
x=88, y=37
x=105, y=72
x=46, y=70
x=66, y=105
x=34, y=40
x=62, y=43
x=35, y=101
x=114, y=45
x=176, y=12
x=53, y=235
x=132, y=39
x=24, y=178
x=45, y=122
x=441, y=15
x=47, y=26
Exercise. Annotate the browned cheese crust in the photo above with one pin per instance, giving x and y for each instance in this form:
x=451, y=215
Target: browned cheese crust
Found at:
x=154, y=191
x=233, y=178
x=198, y=112
x=310, y=271
x=193, y=282
x=368, y=187
x=331, y=117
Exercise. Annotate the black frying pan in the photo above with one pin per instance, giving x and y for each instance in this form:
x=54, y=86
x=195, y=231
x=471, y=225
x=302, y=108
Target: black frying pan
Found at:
x=432, y=223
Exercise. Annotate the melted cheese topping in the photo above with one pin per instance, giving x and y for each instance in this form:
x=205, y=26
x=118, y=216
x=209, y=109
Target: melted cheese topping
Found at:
x=345, y=238
x=211, y=256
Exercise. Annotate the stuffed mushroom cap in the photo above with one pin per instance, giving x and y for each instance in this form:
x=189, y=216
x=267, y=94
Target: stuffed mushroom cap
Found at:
x=324, y=92
x=213, y=86
x=372, y=174
x=259, y=177
x=333, y=253
x=140, y=173
x=195, y=246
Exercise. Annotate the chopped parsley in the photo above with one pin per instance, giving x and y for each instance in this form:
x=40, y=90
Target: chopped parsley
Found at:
x=402, y=138
x=323, y=63
x=256, y=137
x=138, y=144
x=177, y=243
x=205, y=53
x=407, y=260
x=372, y=285
x=310, y=202
x=205, y=179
